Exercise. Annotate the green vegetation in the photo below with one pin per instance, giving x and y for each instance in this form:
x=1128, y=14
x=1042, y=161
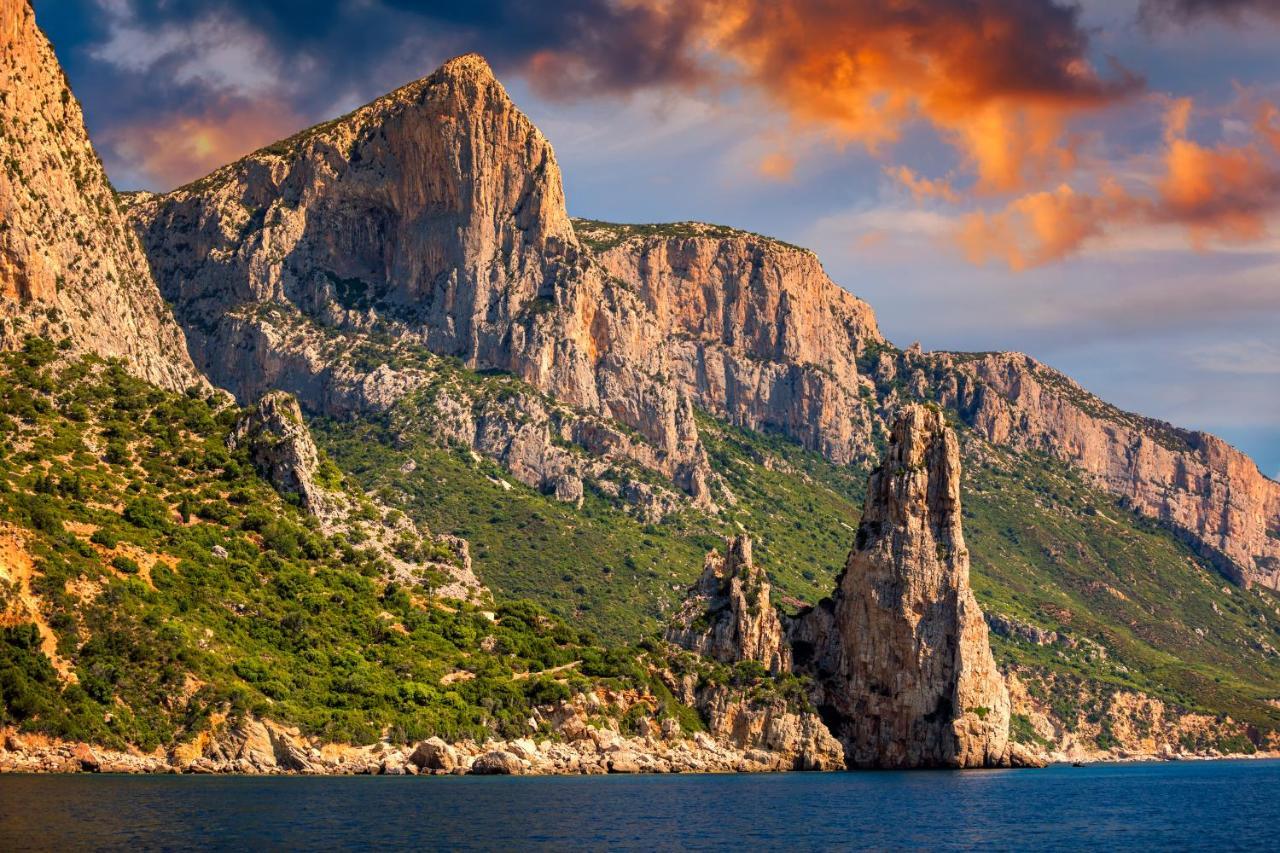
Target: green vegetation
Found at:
x=158, y=631
x=124, y=497
x=601, y=236
x=1136, y=608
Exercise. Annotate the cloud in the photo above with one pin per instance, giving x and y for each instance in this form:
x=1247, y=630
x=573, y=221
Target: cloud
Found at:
x=921, y=187
x=1220, y=194
x=997, y=78
x=1032, y=230
x=1155, y=12
x=1250, y=358
x=173, y=148
x=777, y=166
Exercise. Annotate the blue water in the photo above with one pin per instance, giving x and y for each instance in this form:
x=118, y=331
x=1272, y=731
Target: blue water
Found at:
x=1223, y=805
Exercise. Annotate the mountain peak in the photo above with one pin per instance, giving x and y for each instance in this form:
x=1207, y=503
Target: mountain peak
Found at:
x=468, y=64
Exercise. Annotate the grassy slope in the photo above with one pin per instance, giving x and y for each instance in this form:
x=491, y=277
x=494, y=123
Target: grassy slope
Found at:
x=97, y=471
x=1048, y=550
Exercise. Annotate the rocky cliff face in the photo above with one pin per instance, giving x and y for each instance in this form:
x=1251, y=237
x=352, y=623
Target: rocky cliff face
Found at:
x=1198, y=484
x=728, y=614
x=758, y=333
x=901, y=652
x=434, y=215
x=69, y=266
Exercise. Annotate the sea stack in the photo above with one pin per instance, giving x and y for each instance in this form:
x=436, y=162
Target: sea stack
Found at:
x=901, y=651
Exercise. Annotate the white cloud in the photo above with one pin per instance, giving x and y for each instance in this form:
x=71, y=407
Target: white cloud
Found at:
x=1249, y=357
x=220, y=52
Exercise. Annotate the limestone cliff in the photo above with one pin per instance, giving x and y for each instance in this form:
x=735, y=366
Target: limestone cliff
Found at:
x=758, y=334
x=69, y=266
x=1207, y=490
x=901, y=651
x=434, y=215
x=434, y=218
x=728, y=614
x=761, y=337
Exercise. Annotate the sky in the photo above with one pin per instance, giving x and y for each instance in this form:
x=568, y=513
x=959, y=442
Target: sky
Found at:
x=1095, y=184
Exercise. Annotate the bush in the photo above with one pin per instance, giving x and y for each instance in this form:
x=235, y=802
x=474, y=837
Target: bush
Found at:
x=104, y=537
x=147, y=513
x=124, y=564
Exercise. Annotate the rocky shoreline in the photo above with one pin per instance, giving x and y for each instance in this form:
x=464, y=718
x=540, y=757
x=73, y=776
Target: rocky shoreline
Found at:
x=268, y=750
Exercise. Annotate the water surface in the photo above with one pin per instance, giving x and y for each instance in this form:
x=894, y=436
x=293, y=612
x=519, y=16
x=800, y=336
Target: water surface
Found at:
x=1224, y=805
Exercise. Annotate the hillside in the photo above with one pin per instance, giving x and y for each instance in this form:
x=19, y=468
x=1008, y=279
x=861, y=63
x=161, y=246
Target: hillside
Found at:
x=1081, y=586
x=578, y=412
x=155, y=581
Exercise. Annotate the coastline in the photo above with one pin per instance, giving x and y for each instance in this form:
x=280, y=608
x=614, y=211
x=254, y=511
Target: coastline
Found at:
x=606, y=753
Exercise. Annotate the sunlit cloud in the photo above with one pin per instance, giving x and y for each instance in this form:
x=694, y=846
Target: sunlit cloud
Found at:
x=174, y=148
x=777, y=166
x=1218, y=193
x=998, y=79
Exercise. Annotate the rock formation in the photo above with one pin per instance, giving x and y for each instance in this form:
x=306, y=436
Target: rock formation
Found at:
x=434, y=215
x=1208, y=491
x=757, y=332
x=901, y=652
x=728, y=615
x=281, y=447
x=69, y=266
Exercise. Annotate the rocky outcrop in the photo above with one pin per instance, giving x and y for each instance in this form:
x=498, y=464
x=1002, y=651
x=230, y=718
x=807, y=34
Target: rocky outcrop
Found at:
x=1196, y=483
x=901, y=653
x=283, y=451
x=281, y=447
x=69, y=266
x=587, y=737
x=728, y=615
x=433, y=216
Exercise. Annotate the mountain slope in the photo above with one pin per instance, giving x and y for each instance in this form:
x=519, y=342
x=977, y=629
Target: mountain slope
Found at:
x=435, y=217
x=69, y=266
x=1088, y=600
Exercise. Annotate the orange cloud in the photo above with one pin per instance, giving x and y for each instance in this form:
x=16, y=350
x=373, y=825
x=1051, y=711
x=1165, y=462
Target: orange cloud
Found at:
x=1221, y=193
x=777, y=166
x=998, y=78
x=922, y=187
x=176, y=149
x=1038, y=228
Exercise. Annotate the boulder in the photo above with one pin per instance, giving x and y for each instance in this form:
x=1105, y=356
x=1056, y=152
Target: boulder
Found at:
x=497, y=763
x=434, y=754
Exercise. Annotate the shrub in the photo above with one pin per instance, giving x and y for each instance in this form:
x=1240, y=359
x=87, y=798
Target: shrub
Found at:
x=147, y=513
x=124, y=564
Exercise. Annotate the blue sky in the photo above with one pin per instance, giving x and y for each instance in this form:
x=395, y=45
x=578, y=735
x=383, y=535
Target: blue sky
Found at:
x=1097, y=186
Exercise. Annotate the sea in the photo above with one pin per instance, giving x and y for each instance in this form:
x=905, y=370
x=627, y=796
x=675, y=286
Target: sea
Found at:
x=1170, y=806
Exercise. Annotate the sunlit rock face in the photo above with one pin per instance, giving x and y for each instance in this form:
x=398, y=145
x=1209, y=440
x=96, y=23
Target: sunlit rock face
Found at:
x=759, y=335
x=901, y=652
x=70, y=269
x=1208, y=491
x=433, y=215
x=436, y=216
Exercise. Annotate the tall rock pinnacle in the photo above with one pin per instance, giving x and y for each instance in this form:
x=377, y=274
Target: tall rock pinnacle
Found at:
x=902, y=651
x=69, y=267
